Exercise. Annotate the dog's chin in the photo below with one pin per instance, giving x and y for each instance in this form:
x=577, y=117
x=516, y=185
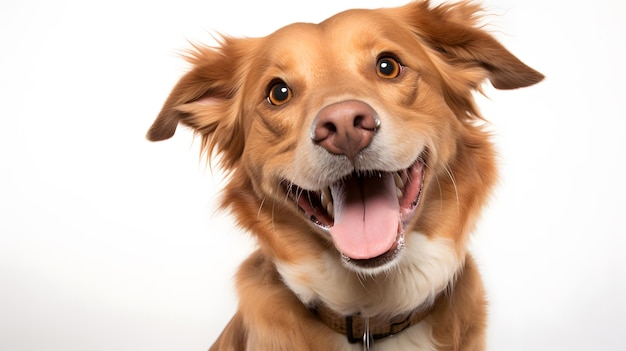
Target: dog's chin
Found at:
x=319, y=207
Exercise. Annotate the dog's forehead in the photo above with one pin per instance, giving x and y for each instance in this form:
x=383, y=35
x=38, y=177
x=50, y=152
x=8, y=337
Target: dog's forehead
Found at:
x=347, y=33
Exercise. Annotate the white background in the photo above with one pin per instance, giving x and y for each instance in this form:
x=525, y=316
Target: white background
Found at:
x=109, y=242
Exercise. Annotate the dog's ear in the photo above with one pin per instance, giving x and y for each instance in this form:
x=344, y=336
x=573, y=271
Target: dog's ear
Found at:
x=207, y=100
x=451, y=30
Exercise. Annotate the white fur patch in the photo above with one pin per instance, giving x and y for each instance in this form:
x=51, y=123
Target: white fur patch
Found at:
x=426, y=267
x=418, y=337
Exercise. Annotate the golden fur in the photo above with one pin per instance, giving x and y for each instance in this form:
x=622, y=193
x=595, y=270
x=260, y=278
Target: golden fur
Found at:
x=426, y=113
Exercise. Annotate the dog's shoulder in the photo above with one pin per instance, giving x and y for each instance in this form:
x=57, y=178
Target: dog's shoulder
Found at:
x=271, y=317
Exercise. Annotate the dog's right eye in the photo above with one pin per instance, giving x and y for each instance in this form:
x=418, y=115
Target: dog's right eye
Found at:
x=279, y=93
x=388, y=67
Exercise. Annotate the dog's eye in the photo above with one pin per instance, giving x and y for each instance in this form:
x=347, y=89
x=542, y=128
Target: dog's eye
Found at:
x=388, y=67
x=279, y=93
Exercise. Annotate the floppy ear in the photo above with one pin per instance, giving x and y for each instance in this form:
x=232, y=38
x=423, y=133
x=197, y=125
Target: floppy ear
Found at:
x=206, y=99
x=451, y=30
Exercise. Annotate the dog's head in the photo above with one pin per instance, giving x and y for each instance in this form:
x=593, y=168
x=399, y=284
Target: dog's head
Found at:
x=356, y=131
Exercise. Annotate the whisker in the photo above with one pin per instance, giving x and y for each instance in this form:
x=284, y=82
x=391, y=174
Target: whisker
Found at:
x=308, y=195
x=298, y=194
x=258, y=214
x=438, y=186
x=288, y=192
x=273, y=207
x=456, y=190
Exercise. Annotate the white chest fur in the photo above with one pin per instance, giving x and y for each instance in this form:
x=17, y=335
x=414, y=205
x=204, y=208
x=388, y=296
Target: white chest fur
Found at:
x=426, y=267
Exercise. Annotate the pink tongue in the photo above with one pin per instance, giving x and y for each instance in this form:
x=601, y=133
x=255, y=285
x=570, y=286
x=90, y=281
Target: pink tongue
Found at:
x=366, y=216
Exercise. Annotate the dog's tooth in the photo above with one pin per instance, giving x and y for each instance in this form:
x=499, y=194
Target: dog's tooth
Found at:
x=331, y=210
x=325, y=197
x=399, y=193
x=398, y=179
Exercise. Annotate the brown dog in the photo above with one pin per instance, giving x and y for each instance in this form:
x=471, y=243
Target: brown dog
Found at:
x=358, y=160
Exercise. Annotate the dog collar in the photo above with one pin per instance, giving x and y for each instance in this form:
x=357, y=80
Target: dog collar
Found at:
x=361, y=329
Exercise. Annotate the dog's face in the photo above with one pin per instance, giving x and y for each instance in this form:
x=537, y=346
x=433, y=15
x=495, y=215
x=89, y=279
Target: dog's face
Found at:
x=350, y=135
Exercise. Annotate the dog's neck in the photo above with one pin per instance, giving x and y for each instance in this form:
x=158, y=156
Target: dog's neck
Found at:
x=341, y=299
x=428, y=267
x=361, y=329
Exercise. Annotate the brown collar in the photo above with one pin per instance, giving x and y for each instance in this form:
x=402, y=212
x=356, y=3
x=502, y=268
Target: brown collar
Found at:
x=353, y=327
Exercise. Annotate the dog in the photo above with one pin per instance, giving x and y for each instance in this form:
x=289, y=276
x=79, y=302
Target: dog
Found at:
x=357, y=158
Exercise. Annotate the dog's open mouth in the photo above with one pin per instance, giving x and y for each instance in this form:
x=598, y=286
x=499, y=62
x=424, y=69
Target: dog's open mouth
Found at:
x=365, y=212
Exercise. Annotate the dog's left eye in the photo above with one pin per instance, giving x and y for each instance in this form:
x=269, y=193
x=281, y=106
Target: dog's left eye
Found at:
x=388, y=67
x=279, y=93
